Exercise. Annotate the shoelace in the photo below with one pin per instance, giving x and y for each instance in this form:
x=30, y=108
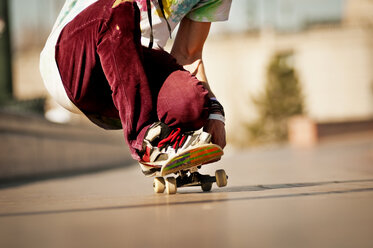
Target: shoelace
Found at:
x=176, y=139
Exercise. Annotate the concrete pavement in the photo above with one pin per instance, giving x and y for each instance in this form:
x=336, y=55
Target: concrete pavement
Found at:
x=276, y=197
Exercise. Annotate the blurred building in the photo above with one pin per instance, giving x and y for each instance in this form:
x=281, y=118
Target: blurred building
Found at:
x=359, y=12
x=333, y=59
x=31, y=22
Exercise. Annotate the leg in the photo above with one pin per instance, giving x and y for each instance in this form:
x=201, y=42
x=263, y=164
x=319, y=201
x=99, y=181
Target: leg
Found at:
x=100, y=59
x=105, y=71
x=183, y=102
x=180, y=98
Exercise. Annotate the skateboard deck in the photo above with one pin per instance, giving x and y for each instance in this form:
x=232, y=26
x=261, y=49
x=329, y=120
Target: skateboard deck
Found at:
x=192, y=158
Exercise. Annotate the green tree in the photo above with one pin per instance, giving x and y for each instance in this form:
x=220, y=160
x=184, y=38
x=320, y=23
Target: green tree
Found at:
x=281, y=99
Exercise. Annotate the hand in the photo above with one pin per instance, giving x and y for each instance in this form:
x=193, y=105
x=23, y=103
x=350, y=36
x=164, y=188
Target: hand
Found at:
x=217, y=130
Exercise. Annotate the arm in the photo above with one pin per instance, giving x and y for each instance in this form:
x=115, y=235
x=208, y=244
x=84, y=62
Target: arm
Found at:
x=188, y=47
x=187, y=50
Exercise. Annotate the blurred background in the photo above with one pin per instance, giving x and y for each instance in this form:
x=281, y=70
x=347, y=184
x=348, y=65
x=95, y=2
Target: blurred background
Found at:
x=280, y=58
x=286, y=71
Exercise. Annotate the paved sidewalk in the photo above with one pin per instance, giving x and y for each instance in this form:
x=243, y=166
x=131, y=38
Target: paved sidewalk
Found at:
x=276, y=197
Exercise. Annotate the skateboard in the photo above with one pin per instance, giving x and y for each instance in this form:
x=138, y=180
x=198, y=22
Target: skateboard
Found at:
x=185, y=166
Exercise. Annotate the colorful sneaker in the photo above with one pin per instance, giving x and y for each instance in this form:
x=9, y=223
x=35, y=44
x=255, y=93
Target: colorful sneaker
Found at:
x=163, y=144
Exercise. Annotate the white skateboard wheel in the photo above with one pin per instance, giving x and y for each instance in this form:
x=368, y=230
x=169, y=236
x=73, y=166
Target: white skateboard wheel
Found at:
x=171, y=186
x=159, y=185
x=221, y=178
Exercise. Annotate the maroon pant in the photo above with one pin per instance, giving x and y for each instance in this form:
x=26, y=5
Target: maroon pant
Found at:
x=116, y=82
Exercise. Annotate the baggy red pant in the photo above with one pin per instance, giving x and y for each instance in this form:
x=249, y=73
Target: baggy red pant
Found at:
x=116, y=82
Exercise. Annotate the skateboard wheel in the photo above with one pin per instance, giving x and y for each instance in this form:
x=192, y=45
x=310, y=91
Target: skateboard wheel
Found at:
x=206, y=186
x=159, y=185
x=171, y=186
x=221, y=178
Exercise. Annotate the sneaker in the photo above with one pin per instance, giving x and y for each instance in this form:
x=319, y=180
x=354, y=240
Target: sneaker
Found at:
x=162, y=144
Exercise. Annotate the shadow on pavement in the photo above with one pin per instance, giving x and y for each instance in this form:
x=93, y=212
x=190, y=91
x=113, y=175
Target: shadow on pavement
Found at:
x=287, y=186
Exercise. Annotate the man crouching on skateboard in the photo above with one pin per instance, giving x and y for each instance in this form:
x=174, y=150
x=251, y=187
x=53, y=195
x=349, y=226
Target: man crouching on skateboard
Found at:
x=94, y=62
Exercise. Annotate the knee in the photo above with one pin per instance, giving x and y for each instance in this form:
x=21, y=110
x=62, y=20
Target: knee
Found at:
x=183, y=101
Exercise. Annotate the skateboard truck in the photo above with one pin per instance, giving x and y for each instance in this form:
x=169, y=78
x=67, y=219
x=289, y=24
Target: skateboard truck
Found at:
x=189, y=178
